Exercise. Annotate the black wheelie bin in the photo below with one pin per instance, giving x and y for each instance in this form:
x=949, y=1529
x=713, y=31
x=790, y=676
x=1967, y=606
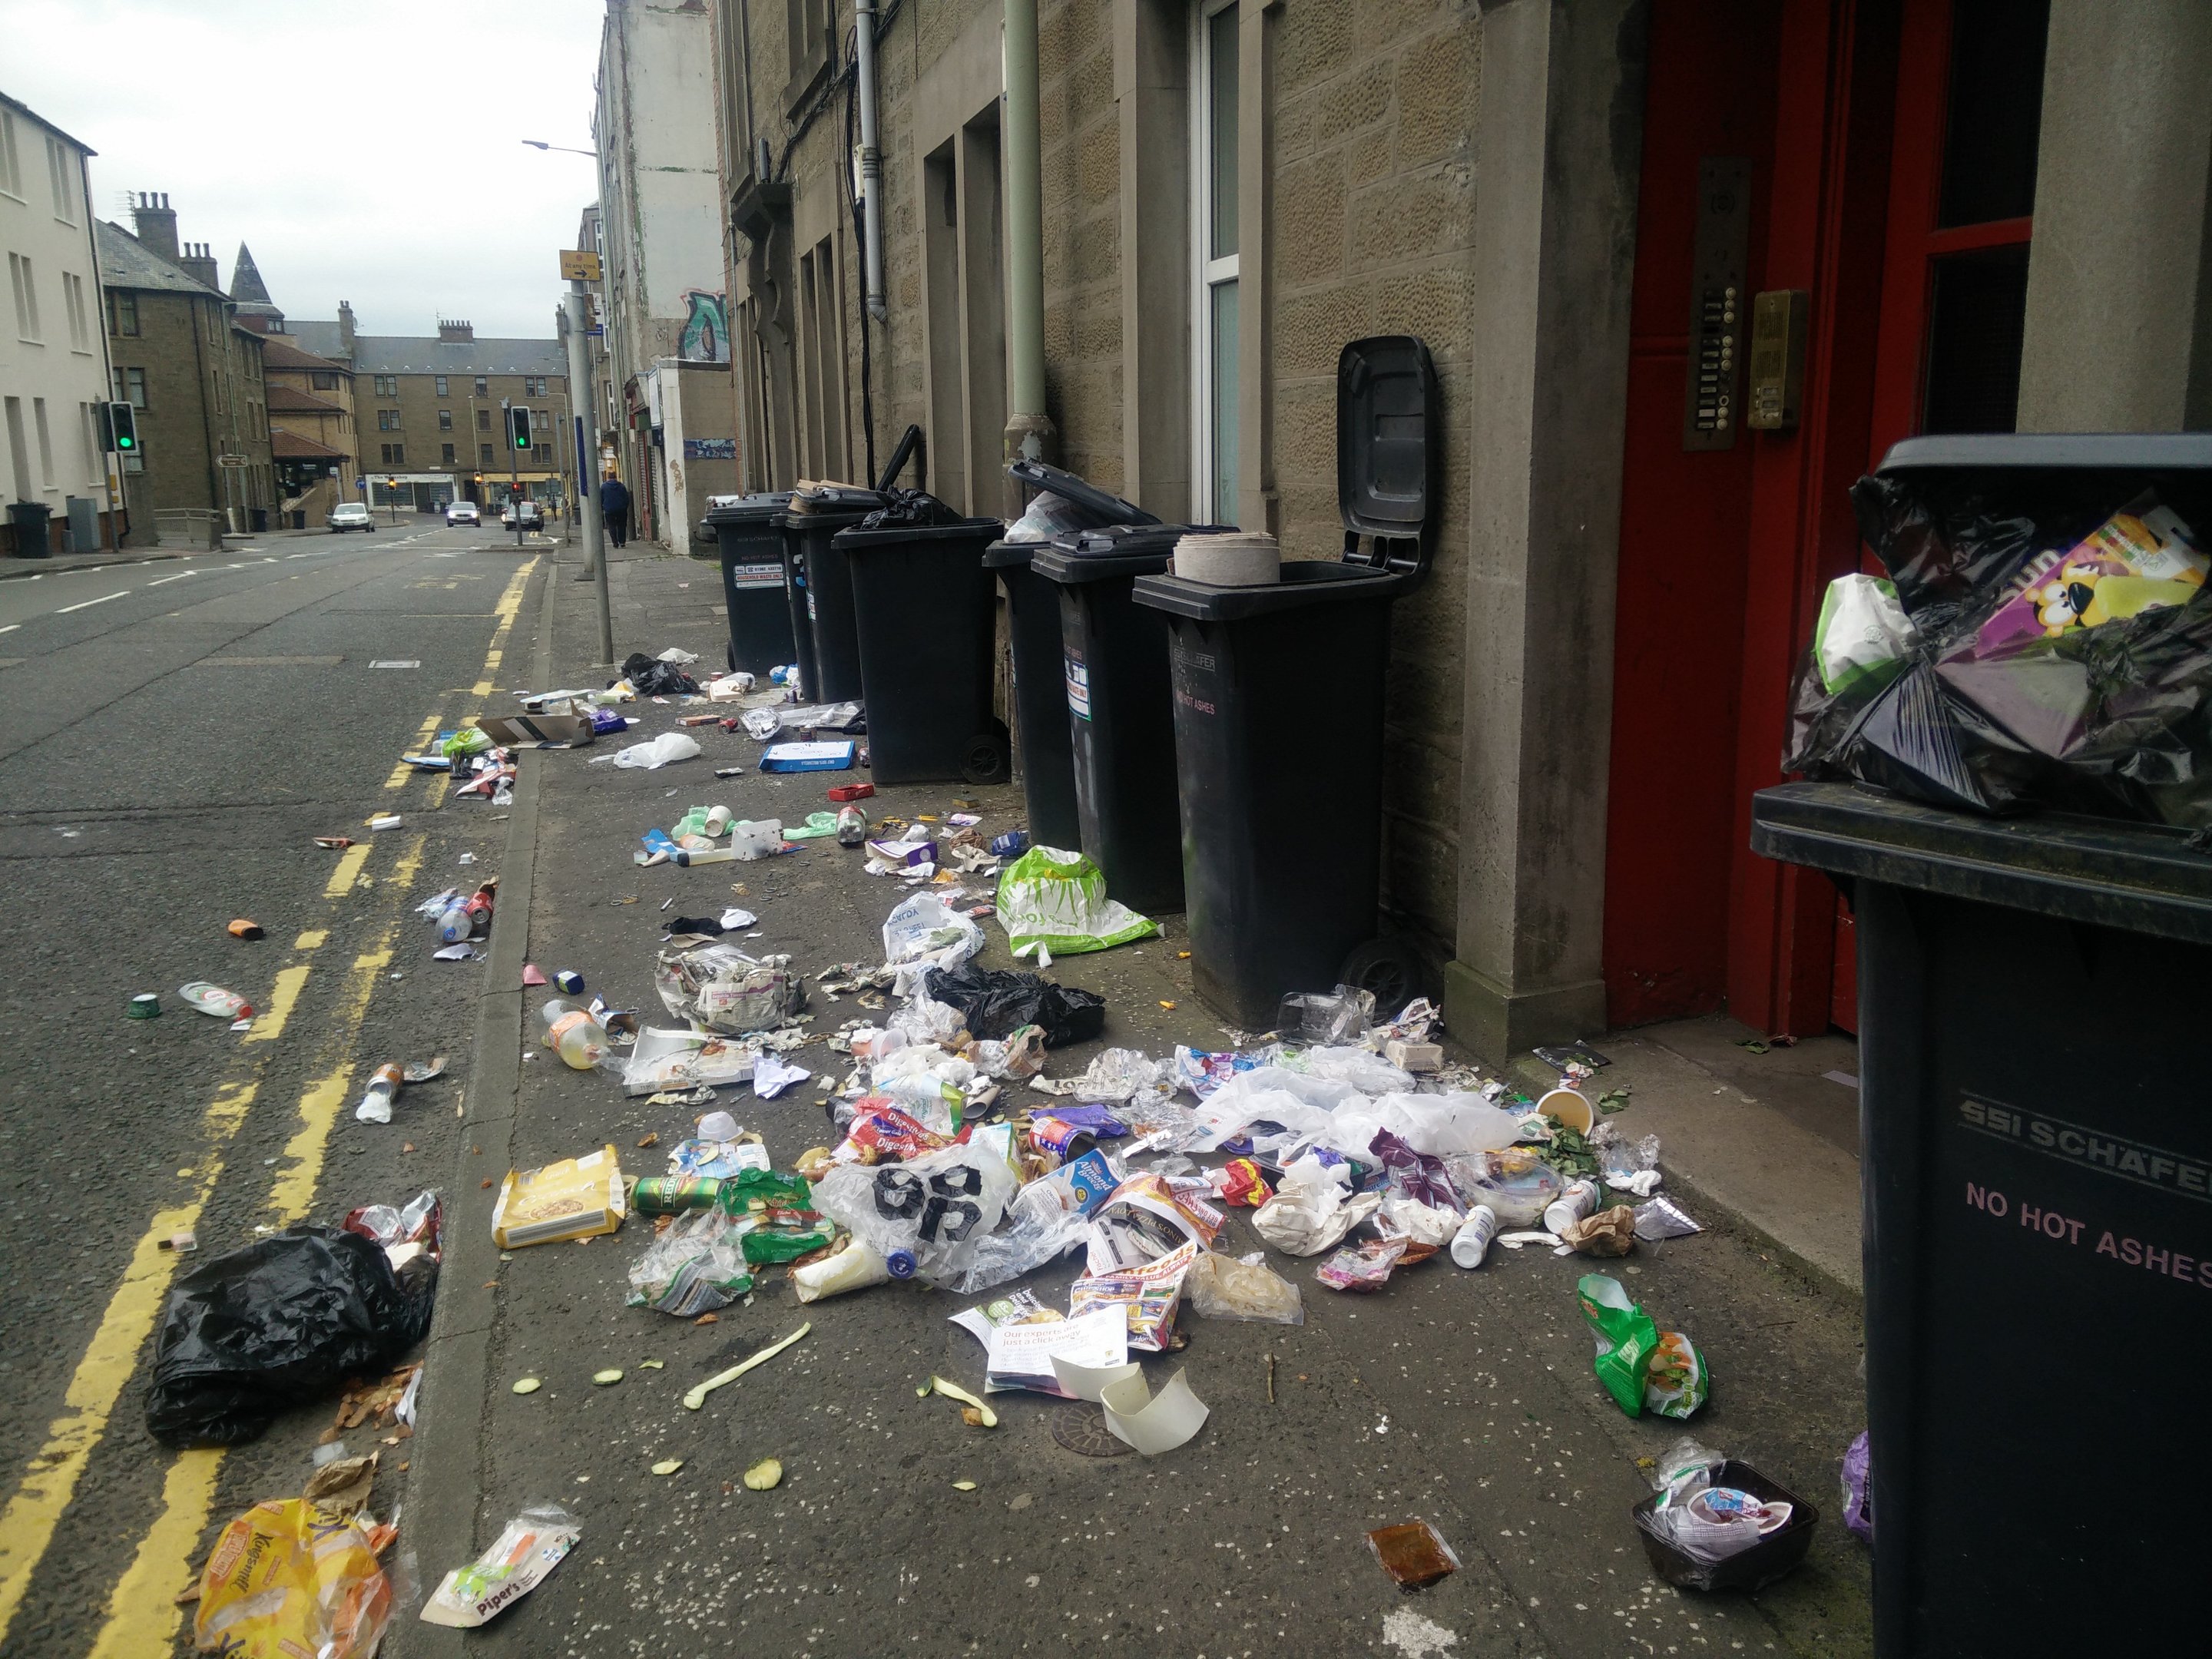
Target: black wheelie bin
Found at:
x=751, y=543
x=925, y=620
x=822, y=587
x=1279, y=695
x=2034, y=1141
x=1044, y=741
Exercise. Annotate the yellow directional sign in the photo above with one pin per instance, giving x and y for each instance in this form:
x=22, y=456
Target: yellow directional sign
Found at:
x=579, y=266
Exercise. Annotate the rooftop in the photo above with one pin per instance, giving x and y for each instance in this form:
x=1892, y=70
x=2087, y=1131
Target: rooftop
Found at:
x=290, y=396
x=417, y=353
x=279, y=352
x=126, y=262
x=291, y=446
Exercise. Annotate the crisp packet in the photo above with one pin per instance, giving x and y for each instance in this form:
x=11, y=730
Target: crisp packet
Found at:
x=532, y=1545
x=1676, y=1383
x=1626, y=1339
x=881, y=1133
x=1364, y=1267
x=1150, y=1294
x=1146, y=1217
x=1202, y=1073
x=1239, y=1182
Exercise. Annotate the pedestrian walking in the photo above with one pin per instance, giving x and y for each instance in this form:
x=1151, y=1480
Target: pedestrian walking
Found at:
x=614, y=509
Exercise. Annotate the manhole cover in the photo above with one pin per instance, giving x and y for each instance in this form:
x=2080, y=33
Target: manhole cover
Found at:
x=1083, y=1429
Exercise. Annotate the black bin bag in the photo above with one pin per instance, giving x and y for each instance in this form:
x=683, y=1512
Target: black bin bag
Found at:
x=998, y=1002
x=282, y=1323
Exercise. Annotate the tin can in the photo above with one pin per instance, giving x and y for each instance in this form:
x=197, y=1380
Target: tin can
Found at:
x=1062, y=1139
x=144, y=1005
x=568, y=980
x=1579, y=1200
x=674, y=1194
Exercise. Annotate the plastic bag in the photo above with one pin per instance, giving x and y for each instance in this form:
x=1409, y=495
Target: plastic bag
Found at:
x=1417, y=1176
x=996, y=1003
x=530, y=1546
x=925, y=932
x=1337, y=1017
x=1058, y=899
x=287, y=1578
x=280, y=1322
x=1036, y=1236
x=696, y=1265
x=1364, y=1268
x=1625, y=1338
x=1863, y=635
x=1365, y=1071
x=1222, y=1287
x=1440, y=1126
x=1309, y=1212
x=653, y=677
x=1858, y=1487
x=720, y=989
x=656, y=752
x=935, y=1210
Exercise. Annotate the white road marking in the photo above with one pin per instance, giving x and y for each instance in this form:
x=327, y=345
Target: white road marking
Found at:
x=179, y=577
x=11, y=628
x=88, y=603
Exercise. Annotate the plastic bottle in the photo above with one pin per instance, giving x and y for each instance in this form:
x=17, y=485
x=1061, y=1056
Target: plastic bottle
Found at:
x=376, y=1105
x=901, y=1264
x=852, y=826
x=574, y=1034
x=1473, y=1239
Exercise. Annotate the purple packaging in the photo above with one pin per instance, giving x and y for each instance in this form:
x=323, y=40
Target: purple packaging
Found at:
x=1858, y=1490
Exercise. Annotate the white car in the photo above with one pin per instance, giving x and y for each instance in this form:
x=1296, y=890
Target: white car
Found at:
x=463, y=513
x=531, y=514
x=350, y=515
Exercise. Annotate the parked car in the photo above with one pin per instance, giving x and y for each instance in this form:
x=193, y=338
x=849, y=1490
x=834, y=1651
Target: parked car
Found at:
x=531, y=515
x=463, y=513
x=350, y=515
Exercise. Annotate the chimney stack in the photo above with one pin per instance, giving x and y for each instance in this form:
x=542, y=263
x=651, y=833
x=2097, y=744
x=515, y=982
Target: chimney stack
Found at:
x=345, y=327
x=448, y=330
x=197, y=262
x=154, y=223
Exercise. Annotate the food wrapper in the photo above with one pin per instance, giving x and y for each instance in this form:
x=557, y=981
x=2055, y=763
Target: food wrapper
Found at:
x=1147, y=1217
x=720, y=989
x=575, y=1198
x=1417, y=1176
x=698, y=1265
x=1413, y=1553
x=1202, y=1073
x=1609, y=1232
x=1149, y=1292
x=1676, y=1383
x=749, y=1191
x=1626, y=1339
x=287, y=1577
x=881, y=1133
x=1222, y=1287
x=2142, y=558
x=1364, y=1267
x=531, y=1545
x=1239, y=1182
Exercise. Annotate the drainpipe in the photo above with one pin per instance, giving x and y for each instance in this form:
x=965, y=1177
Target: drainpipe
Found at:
x=1031, y=434
x=872, y=161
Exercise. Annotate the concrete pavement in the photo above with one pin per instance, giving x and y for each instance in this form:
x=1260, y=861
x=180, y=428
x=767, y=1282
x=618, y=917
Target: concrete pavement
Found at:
x=1465, y=1398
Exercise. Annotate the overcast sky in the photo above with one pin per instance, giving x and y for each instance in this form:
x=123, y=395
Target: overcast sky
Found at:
x=369, y=153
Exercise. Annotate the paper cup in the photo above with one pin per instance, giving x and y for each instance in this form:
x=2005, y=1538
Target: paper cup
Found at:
x=1570, y=1109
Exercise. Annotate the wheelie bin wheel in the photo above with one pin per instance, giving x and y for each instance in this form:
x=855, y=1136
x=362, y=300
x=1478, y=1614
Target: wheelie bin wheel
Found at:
x=988, y=759
x=1393, y=968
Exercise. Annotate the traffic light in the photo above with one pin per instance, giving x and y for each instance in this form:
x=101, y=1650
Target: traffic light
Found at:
x=119, y=428
x=518, y=427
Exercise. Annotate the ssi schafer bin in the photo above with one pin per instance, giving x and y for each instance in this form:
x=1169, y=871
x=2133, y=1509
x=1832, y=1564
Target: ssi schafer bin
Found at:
x=925, y=617
x=751, y=543
x=1277, y=705
x=822, y=586
x=2037, y=1154
x=1043, y=736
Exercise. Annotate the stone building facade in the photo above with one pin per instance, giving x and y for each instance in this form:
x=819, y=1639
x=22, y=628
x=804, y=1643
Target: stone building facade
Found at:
x=312, y=437
x=194, y=374
x=1559, y=196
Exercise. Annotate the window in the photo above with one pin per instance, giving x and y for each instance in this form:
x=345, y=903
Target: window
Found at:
x=483, y=454
x=130, y=388
x=27, y=297
x=541, y=452
x=11, y=165
x=480, y=386
x=45, y=442
x=484, y=416
x=387, y=420
x=61, y=168
x=441, y=385
x=88, y=439
x=1213, y=236
x=123, y=313
x=533, y=386
x=387, y=386
x=444, y=420
x=394, y=454
x=323, y=382
x=18, y=452
x=80, y=320
x=446, y=454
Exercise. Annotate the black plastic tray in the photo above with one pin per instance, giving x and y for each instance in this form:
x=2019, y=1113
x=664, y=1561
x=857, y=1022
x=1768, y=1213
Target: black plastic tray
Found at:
x=1780, y=1553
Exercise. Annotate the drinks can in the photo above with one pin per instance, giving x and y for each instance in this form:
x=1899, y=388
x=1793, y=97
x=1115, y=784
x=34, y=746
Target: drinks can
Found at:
x=1579, y=1200
x=568, y=980
x=145, y=1006
x=1472, y=1240
x=674, y=1194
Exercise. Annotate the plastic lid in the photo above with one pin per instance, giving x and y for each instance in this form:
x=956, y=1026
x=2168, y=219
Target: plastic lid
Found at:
x=1304, y=582
x=747, y=509
x=1056, y=562
x=1387, y=445
x=2084, y=451
x=1109, y=509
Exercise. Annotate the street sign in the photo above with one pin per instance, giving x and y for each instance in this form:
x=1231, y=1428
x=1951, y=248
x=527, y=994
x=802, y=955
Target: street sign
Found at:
x=232, y=460
x=579, y=266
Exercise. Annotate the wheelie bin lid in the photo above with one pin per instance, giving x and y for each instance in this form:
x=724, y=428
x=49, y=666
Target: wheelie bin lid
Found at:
x=1120, y=549
x=757, y=509
x=831, y=504
x=970, y=530
x=1096, y=508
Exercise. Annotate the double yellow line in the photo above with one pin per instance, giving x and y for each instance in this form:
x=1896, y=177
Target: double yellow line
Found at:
x=141, y=1614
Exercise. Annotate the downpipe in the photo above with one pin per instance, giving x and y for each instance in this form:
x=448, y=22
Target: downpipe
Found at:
x=871, y=162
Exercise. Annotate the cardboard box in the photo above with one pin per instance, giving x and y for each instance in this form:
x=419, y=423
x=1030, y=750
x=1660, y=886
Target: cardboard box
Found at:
x=575, y=1198
x=536, y=731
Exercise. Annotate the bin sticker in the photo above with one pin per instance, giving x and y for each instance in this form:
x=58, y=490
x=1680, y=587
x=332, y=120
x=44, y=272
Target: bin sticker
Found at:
x=1078, y=687
x=2049, y=1225
x=757, y=575
x=2093, y=1152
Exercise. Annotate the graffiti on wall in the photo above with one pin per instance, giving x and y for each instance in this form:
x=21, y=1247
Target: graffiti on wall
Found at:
x=707, y=331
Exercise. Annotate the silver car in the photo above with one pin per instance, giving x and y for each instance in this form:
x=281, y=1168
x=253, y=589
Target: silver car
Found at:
x=350, y=515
